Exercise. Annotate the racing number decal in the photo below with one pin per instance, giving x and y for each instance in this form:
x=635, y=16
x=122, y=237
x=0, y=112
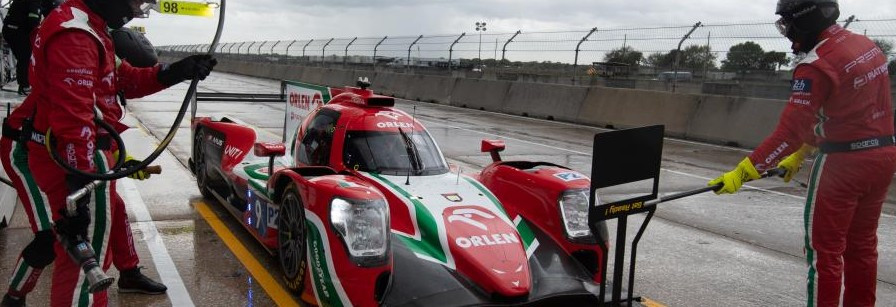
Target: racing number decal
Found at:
x=169, y=7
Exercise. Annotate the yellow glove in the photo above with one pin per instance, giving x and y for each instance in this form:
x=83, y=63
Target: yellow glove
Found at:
x=794, y=161
x=130, y=162
x=733, y=180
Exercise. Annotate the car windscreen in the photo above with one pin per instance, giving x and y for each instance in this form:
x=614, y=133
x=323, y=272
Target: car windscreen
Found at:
x=387, y=153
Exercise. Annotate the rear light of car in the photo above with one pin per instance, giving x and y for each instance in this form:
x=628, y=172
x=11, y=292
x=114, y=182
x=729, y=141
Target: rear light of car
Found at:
x=364, y=228
x=574, y=211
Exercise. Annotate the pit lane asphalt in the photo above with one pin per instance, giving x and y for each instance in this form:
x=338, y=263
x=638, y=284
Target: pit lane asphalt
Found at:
x=707, y=250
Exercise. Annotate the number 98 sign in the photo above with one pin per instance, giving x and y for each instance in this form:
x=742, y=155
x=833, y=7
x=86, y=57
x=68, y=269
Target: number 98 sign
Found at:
x=187, y=8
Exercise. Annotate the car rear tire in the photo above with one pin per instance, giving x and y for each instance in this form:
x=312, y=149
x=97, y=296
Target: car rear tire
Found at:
x=292, y=239
x=200, y=166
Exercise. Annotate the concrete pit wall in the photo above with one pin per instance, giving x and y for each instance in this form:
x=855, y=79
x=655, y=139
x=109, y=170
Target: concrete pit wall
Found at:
x=717, y=119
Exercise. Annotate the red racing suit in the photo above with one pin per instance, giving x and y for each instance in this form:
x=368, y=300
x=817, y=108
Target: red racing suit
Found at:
x=841, y=95
x=75, y=78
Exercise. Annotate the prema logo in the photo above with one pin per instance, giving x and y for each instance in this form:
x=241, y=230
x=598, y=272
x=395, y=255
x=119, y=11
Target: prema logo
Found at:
x=305, y=102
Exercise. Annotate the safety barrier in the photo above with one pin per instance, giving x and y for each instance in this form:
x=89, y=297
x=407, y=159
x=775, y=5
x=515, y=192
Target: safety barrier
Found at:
x=552, y=101
x=711, y=118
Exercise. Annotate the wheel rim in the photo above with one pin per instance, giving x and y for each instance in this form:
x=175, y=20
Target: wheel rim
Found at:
x=291, y=235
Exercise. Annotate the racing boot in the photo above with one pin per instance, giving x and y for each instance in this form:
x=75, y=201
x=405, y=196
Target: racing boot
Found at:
x=9, y=301
x=132, y=281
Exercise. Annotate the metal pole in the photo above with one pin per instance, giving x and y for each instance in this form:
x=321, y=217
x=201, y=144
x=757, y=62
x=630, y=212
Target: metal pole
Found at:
x=287, y=47
x=451, y=50
x=849, y=21
x=306, y=46
x=262, y=45
x=274, y=46
x=377, y=47
x=345, y=58
x=575, y=64
x=504, y=50
x=708, y=53
x=409, y=50
x=480, y=27
x=678, y=55
x=230, y=47
x=249, y=49
x=323, y=51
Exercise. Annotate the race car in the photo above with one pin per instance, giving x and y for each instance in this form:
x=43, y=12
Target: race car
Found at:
x=361, y=208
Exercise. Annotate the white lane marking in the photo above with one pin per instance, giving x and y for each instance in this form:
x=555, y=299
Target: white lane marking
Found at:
x=177, y=292
x=444, y=123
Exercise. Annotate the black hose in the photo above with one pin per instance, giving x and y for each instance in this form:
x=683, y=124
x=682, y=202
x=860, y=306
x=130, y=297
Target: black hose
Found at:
x=118, y=174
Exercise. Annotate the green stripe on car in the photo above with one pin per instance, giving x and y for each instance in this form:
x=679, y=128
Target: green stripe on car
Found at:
x=429, y=244
x=526, y=234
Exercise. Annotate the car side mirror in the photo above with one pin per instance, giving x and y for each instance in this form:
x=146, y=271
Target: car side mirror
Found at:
x=493, y=147
x=264, y=149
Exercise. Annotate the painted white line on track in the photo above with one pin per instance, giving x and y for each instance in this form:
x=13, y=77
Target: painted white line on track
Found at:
x=444, y=123
x=177, y=292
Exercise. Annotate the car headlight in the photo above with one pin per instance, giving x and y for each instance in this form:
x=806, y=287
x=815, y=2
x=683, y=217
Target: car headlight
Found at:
x=364, y=227
x=574, y=211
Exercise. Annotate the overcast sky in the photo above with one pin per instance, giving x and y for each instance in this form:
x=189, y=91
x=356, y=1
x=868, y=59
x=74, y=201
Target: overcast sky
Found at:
x=306, y=19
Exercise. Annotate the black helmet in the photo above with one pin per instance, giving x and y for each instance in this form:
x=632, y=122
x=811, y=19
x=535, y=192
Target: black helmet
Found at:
x=802, y=21
x=116, y=13
x=133, y=47
x=791, y=6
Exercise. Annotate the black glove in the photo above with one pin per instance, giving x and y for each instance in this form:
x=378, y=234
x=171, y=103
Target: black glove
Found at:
x=199, y=65
x=75, y=225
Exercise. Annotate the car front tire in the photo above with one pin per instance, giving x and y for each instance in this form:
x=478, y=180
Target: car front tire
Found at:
x=291, y=239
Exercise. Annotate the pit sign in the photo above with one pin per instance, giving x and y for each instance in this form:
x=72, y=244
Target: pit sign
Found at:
x=186, y=8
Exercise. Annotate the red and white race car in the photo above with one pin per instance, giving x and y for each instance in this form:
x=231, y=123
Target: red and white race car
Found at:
x=362, y=209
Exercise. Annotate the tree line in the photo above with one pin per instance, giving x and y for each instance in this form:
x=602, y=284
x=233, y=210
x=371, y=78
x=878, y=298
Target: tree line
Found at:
x=741, y=58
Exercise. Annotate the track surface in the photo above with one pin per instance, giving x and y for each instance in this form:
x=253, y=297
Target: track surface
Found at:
x=706, y=250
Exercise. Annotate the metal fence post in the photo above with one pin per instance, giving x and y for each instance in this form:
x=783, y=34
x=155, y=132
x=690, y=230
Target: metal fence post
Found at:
x=678, y=55
x=262, y=45
x=409, y=50
x=575, y=64
x=249, y=49
x=306, y=46
x=849, y=21
x=286, y=53
x=275, y=46
x=345, y=57
x=451, y=50
x=504, y=50
x=377, y=47
x=240, y=47
x=323, y=51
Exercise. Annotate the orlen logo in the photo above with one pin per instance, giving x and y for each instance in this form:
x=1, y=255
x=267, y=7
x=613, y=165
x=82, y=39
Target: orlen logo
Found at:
x=477, y=218
x=394, y=125
x=305, y=102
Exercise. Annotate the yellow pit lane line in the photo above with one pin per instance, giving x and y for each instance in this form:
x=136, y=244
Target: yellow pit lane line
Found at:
x=270, y=285
x=650, y=303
